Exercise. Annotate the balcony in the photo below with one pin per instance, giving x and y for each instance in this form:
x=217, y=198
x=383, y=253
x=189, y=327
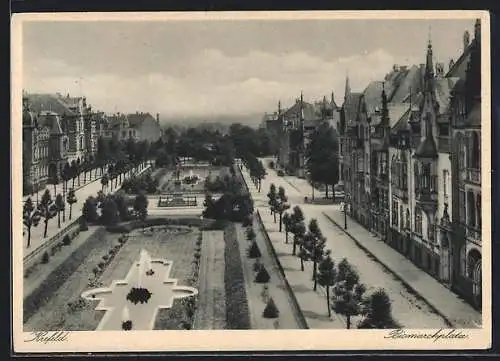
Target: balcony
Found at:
x=471, y=175
x=473, y=234
x=400, y=193
x=427, y=199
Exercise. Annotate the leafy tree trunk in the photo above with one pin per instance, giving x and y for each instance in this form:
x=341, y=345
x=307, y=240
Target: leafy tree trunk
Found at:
x=73, y=183
x=294, y=246
x=312, y=187
x=64, y=214
x=301, y=261
x=45, y=230
x=70, y=208
x=281, y=217
x=348, y=322
x=286, y=237
x=274, y=217
x=315, y=271
x=59, y=219
x=260, y=183
x=29, y=237
x=326, y=191
x=328, y=300
x=78, y=179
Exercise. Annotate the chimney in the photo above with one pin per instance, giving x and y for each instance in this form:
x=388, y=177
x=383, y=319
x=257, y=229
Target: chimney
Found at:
x=395, y=67
x=466, y=39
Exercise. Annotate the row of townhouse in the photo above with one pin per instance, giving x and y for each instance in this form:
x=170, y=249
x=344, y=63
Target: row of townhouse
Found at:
x=293, y=128
x=410, y=161
x=61, y=129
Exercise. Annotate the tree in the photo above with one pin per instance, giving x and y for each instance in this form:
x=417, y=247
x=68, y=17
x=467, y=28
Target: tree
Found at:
x=31, y=217
x=121, y=205
x=297, y=225
x=47, y=209
x=287, y=219
x=89, y=210
x=71, y=199
x=300, y=238
x=322, y=156
x=315, y=245
x=250, y=233
x=60, y=204
x=348, y=293
x=54, y=178
x=65, y=176
x=377, y=312
x=326, y=277
x=272, y=196
x=281, y=204
x=73, y=172
x=141, y=207
x=109, y=214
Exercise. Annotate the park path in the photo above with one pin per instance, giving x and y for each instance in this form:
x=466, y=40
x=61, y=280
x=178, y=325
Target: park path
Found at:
x=210, y=314
x=276, y=286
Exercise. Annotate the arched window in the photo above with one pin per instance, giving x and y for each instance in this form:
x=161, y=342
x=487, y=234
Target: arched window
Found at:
x=426, y=176
x=404, y=175
x=407, y=218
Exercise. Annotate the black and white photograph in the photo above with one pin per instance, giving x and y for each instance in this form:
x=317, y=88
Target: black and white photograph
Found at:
x=181, y=177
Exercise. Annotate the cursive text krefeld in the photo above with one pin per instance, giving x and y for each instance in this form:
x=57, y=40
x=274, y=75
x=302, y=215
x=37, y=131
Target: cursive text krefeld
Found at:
x=48, y=336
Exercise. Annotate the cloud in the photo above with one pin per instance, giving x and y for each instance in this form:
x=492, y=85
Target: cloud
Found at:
x=214, y=83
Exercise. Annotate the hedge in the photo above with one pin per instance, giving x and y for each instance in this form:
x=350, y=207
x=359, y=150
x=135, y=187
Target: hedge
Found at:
x=56, y=279
x=237, y=315
x=127, y=227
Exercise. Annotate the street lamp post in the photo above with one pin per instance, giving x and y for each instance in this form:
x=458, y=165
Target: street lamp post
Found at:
x=345, y=212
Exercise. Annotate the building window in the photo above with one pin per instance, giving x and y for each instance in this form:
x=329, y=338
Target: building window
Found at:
x=471, y=209
x=404, y=165
x=401, y=217
x=478, y=206
x=407, y=219
x=417, y=176
x=475, y=152
x=445, y=183
x=394, y=213
x=431, y=230
x=462, y=206
x=463, y=261
x=418, y=221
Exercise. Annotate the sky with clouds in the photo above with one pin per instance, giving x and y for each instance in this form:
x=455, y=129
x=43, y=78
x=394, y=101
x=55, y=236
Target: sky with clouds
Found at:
x=197, y=68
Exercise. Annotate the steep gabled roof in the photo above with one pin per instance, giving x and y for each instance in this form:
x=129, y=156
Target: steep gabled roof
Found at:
x=52, y=121
x=372, y=96
x=427, y=148
x=412, y=81
x=351, y=107
x=49, y=102
x=402, y=124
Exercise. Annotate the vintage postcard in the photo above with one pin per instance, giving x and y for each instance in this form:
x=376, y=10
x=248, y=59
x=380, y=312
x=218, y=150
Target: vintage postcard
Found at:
x=251, y=181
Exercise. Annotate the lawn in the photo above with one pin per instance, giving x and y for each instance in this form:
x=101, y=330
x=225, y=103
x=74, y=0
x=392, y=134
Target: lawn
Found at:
x=63, y=308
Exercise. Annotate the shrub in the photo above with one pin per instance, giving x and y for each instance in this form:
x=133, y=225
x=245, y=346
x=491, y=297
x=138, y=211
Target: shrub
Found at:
x=45, y=258
x=105, y=257
x=95, y=271
x=101, y=265
x=262, y=275
x=66, y=240
x=271, y=311
x=257, y=265
x=197, y=255
x=254, y=251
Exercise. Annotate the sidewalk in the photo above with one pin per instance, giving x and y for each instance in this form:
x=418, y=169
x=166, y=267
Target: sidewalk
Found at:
x=456, y=311
x=37, y=239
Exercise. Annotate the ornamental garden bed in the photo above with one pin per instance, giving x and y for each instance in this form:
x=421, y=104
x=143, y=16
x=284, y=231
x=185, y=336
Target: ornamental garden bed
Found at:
x=57, y=304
